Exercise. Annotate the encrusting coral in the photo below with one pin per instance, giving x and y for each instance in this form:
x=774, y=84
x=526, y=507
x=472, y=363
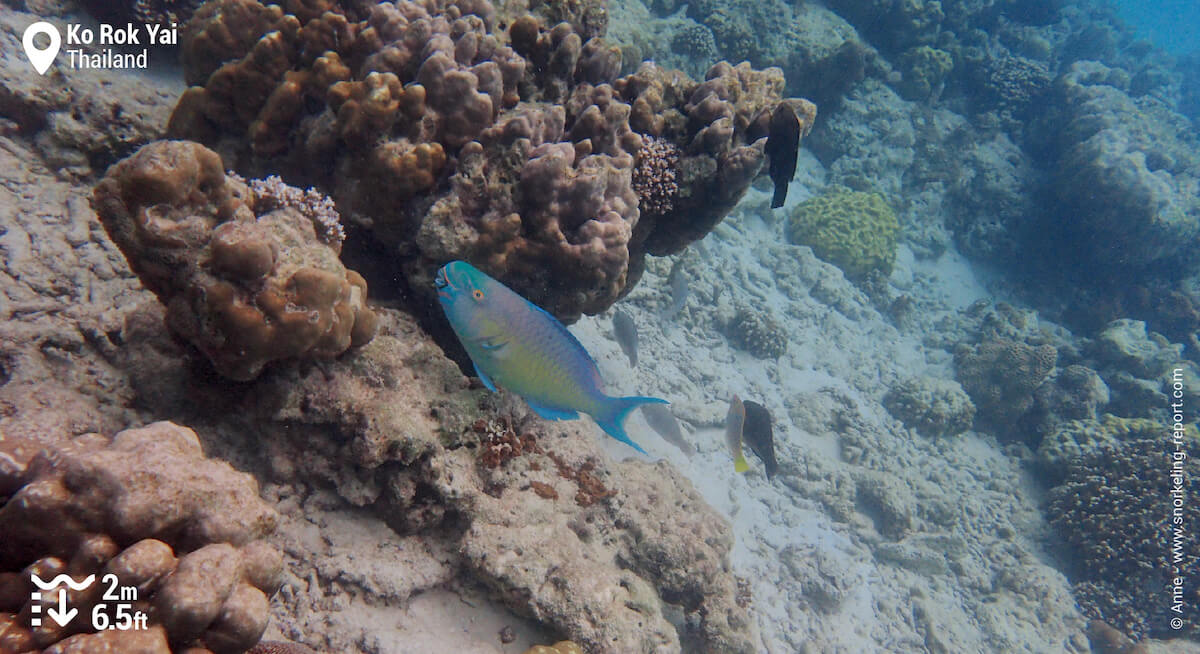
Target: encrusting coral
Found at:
x=452, y=129
x=853, y=230
x=187, y=532
x=249, y=274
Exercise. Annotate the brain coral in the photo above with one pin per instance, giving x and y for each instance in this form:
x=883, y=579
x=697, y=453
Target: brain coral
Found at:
x=147, y=506
x=249, y=275
x=853, y=230
x=1114, y=515
x=451, y=129
x=758, y=333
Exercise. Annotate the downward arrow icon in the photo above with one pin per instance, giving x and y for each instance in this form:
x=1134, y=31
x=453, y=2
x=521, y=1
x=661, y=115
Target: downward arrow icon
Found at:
x=61, y=615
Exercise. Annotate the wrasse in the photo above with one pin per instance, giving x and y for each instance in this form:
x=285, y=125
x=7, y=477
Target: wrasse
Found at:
x=518, y=346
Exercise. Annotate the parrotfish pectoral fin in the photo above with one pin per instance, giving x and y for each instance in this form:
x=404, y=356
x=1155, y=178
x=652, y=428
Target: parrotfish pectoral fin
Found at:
x=612, y=414
x=553, y=414
x=484, y=378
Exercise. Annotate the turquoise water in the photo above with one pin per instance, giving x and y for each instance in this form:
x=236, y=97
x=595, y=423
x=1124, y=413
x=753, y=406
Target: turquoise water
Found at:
x=1173, y=25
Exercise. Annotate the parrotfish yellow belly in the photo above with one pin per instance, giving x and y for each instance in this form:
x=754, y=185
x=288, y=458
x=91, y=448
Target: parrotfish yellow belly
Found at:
x=516, y=345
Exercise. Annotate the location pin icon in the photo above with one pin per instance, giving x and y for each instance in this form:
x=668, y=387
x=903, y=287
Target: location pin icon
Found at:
x=41, y=59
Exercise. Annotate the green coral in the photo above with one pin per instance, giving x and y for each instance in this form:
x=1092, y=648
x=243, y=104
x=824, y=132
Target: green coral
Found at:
x=925, y=69
x=853, y=230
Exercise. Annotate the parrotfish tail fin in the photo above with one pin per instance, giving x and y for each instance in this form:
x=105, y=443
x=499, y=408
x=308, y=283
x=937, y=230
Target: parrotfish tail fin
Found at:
x=740, y=465
x=613, y=412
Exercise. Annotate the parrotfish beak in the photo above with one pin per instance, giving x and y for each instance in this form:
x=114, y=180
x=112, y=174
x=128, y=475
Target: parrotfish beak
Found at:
x=440, y=282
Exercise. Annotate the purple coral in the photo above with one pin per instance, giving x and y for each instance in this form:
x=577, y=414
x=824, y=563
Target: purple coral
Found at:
x=654, y=176
x=272, y=193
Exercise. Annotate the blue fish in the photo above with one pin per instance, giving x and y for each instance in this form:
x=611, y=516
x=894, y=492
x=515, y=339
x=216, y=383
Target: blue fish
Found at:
x=517, y=345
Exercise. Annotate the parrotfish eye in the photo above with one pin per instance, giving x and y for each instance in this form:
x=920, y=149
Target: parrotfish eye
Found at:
x=477, y=294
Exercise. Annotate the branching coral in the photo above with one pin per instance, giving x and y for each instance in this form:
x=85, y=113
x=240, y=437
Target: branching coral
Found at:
x=1111, y=514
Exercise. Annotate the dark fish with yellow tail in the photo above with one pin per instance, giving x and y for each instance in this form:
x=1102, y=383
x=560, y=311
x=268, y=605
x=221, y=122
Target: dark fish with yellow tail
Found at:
x=626, y=332
x=758, y=434
x=517, y=345
x=735, y=421
x=783, y=147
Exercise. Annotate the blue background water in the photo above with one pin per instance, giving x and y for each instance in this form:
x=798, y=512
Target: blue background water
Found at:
x=1173, y=25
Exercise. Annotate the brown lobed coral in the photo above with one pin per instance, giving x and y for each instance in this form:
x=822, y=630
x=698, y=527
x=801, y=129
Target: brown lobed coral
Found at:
x=453, y=130
x=146, y=506
x=1001, y=376
x=249, y=274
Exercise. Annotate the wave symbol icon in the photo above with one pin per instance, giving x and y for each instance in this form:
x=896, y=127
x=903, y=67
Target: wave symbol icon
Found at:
x=63, y=579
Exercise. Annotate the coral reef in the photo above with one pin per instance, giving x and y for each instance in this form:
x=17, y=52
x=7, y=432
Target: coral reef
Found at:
x=1124, y=167
x=146, y=506
x=758, y=333
x=144, y=12
x=1001, y=376
x=925, y=70
x=426, y=122
x=396, y=429
x=931, y=405
x=247, y=278
x=1075, y=439
x=1110, y=513
x=853, y=230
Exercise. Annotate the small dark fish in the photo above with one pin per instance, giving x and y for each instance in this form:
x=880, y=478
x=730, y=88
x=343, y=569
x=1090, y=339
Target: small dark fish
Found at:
x=758, y=435
x=663, y=421
x=678, y=282
x=626, y=332
x=783, y=146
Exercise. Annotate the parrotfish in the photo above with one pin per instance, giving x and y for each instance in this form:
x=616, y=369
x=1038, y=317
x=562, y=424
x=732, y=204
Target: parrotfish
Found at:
x=517, y=345
x=626, y=333
x=759, y=436
x=663, y=421
x=678, y=282
x=783, y=147
x=735, y=420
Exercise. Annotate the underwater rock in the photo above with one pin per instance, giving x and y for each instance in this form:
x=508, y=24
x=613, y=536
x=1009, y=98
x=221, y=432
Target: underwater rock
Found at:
x=854, y=231
x=1110, y=512
x=453, y=130
x=931, y=405
x=187, y=531
x=247, y=279
x=78, y=121
x=397, y=429
x=1124, y=169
